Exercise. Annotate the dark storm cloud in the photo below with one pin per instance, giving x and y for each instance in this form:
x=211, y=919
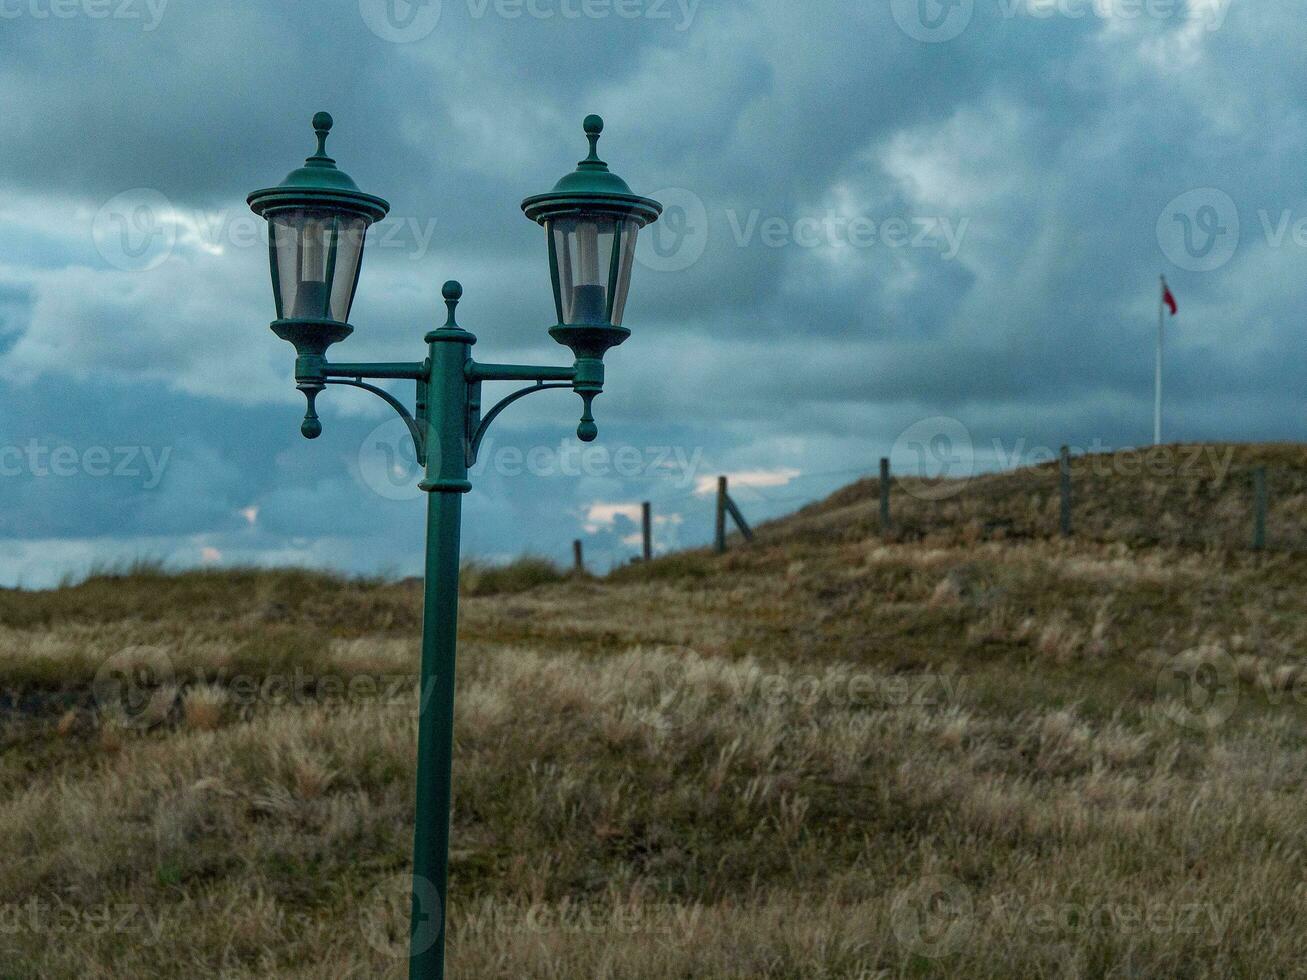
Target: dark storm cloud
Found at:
x=865, y=230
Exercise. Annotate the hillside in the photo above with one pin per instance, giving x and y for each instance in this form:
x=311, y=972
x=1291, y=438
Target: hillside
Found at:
x=1189, y=495
x=964, y=748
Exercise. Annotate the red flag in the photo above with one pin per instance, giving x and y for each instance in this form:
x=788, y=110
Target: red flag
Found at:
x=1169, y=298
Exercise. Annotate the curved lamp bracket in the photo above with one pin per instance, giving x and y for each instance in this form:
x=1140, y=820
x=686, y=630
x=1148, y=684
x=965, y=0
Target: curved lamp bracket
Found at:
x=475, y=444
x=415, y=430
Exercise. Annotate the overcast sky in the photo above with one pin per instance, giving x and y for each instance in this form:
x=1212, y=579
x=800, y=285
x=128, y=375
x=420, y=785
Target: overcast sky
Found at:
x=887, y=221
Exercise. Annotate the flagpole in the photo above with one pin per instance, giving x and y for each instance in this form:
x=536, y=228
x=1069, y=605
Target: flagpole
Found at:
x=1157, y=401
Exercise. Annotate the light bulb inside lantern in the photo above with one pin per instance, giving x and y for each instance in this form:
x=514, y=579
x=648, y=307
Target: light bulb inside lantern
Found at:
x=315, y=255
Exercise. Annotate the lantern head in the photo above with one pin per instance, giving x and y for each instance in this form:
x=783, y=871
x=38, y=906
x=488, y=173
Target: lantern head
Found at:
x=317, y=222
x=591, y=219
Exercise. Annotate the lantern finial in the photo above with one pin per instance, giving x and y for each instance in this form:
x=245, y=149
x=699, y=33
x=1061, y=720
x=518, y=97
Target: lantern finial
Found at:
x=594, y=126
x=322, y=123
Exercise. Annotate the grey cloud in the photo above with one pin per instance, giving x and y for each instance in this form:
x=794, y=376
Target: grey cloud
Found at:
x=1057, y=141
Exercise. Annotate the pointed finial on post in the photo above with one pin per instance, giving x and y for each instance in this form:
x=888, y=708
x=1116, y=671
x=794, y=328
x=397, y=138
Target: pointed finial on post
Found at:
x=594, y=127
x=453, y=292
x=450, y=330
x=322, y=123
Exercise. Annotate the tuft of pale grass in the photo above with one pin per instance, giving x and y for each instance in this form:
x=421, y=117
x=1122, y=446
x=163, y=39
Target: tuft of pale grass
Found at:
x=67, y=722
x=203, y=705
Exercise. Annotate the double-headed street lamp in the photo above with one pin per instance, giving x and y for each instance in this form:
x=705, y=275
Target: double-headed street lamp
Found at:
x=318, y=220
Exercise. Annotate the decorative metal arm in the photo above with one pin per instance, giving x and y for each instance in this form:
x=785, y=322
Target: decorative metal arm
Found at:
x=476, y=371
x=475, y=445
x=545, y=377
x=448, y=404
x=412, y=370
x=414, y=429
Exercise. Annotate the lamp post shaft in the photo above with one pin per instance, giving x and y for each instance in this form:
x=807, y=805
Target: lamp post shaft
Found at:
x=435, y=736
x=446, y=481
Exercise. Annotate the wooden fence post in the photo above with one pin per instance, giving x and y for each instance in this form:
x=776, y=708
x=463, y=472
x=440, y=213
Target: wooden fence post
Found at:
x=1065, y=468
x=578, y=561
x=647, y=520
x=738, y=518
x=720, y=538
x=884, y=495
x=1259, y=509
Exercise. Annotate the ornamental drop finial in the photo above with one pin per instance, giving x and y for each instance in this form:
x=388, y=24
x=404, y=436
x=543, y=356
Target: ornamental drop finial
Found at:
x=311, y=427
x=594, y=127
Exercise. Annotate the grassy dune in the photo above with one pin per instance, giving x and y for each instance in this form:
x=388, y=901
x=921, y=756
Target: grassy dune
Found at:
x=965, y=748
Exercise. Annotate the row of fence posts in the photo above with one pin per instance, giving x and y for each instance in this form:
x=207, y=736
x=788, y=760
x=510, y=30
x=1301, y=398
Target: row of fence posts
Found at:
x=726, y=507
x=1260, y=500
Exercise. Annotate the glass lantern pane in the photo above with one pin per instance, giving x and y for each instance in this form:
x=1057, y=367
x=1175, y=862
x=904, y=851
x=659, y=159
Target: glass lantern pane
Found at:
x=625, y=257
x=561, y=257
x=350, y=232
x=583, y=256
x=317, y=254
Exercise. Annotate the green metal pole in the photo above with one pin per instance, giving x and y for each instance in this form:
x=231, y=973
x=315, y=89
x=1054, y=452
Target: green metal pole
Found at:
x=435, y=737
x=446, y=482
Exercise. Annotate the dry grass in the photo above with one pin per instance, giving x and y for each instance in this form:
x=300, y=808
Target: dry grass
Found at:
x=1198, y=496
x=525, y=573
x=828, y=755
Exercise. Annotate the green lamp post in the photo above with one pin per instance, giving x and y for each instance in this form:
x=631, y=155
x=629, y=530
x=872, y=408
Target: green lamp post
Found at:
x=318, y=220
